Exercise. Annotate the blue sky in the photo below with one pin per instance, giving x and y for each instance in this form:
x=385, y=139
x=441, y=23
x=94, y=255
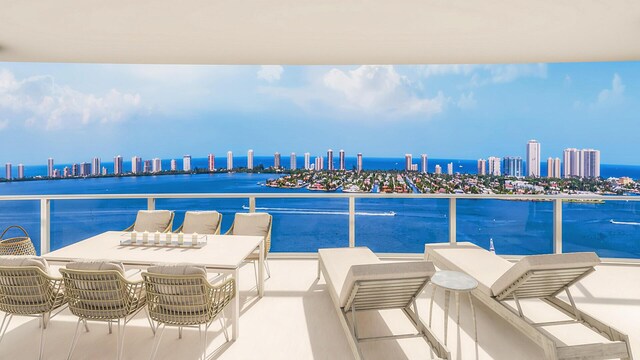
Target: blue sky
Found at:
x=73, y=112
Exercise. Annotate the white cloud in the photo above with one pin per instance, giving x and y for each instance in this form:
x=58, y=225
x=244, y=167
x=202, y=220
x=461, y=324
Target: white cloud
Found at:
x=613, y=95
x=467, y=101
x=378, y=88
x=487, y=74
x=45, y=104
x=270, y=73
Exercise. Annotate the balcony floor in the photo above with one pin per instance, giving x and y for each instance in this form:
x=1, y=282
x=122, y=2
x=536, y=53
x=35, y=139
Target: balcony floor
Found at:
x=296, y=320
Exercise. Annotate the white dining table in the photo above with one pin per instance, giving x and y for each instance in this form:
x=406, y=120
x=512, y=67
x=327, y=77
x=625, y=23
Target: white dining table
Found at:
x=222, y=253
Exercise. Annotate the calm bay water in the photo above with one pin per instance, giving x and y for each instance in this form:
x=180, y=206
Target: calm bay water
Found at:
x=304, y=225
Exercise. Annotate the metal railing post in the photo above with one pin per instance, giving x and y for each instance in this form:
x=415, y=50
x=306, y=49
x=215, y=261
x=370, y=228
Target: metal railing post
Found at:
x=452, y=220
x=151, y=203
x=352, y=221
x=252, y=204
x=45, y=226
x=557, y=226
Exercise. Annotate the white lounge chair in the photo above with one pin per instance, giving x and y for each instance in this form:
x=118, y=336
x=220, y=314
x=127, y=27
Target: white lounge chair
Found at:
x=359, y=281
x=257, y=224
x=533, y=277
x=152, y=221
x=201, y=222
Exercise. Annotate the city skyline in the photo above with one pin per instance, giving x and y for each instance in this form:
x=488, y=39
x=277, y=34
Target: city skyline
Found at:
x=461, y=111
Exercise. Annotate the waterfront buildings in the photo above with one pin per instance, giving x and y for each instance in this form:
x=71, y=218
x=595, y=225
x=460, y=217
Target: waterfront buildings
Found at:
x=156, y=165
x=438, y=170
x=512, y=166
x=276, y=160
x=173, y=165
x=147, y=166
x=319, y=163
x=85, y=169
x=95, y=166
x=359, y=162
x=117, y=165
x=581, y=163
x=186, y=163
x=591, y=163
x=75, y=170
x=553, y=167
x=329, y=160
x=104, y=171
x=7, y=169
x=136, y=165
x=249, y=160
x=407, y=162
x=56, y=173
x=211, y=162
x=293, y=161
x=341, y=161
x=450, y=168
x=50, y=167
x=494, y=166
x=20, y=171
x=424, y=161
x=66, y=172
x=307, y=161
x=229, y=160
x=482, y=167
x=533, y=158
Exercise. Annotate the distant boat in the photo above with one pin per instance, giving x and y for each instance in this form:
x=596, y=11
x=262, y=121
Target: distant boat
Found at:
x=624, y=222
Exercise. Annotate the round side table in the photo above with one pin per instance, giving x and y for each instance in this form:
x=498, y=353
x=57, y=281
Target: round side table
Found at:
x=456, y=282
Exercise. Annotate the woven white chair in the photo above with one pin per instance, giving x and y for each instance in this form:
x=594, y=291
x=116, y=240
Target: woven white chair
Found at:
x=99, y=291
x=152, y=221
x=201, y=222
x=181, y=296
x=27, y=289
x=256, y=224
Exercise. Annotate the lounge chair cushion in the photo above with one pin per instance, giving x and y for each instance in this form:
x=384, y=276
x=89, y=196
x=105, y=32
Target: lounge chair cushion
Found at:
x=484, y=266
x=385, y=271
x=177, y=269
x=338, y=262
x=257, y=224
x=544, y=262
x=201, y=222
x=180, y=297
x=97, y=265
x=22, y=260
x=152, y=220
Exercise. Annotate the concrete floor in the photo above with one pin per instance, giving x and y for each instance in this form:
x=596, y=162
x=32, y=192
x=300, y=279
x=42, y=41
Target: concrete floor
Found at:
x=296, y=320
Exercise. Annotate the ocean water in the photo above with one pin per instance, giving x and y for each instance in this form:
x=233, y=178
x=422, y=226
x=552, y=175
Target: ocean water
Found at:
x=611, y=229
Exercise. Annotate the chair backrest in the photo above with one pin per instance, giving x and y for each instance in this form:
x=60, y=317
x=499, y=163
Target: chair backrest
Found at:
x=97, y=290
x=153, y=220
x=201, y=222
x=257, y=224
x=25, y=286
x=385, y=285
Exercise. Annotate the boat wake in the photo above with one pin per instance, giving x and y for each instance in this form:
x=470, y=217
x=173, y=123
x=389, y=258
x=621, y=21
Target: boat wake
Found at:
x=318, y=212
x=625, y=223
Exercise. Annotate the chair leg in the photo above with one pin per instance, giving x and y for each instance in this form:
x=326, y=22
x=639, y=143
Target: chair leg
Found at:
x=223, y=324
x=179, y=332
x=153, y=328
x=266, y=267
x=156, y=340
x=203, y=341
x=121, y=326
x=110, y=327
x=45, y=319
x=86, y=326
x=255, y=272
x=5, y=325
x=74, y=342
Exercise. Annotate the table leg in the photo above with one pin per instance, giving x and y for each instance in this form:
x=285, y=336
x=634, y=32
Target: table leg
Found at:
x=473, y=315
x=433, y=295
x=235, y=308
x=457, y=295
x=261, y=270
x=447, y=296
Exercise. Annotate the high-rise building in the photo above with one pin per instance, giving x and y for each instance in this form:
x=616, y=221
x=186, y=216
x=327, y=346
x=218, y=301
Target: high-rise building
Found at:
x=512, y=166
x=250, y=159
x=482, y=167
x=211, y=162
x=581, y=163
x=56, y=173
x=533, y=158
x=148, y=166
x=229, y=160
x=591, y=163
x=407, y=162
x=136, y=165
x=186, y=163
x=156, y=165
x=556, y=168
x=307, y=161
x=494, y=166
x=342, y=160
x=8, y=172
x=450, y=168
x=276, y=160
x=75, y=170
x=329, y=160
x=173, y=165
x=66, y=172
x=50, y=167
x=319, y=165
x=117, y=165
x=571, y=162
x=20, y=171
x=550, y=168
x=438, y=169
x=85, y=169
x=425, y=162
x=293, y=161
x=359, y=162
x=104, y=171
x=95, y=166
